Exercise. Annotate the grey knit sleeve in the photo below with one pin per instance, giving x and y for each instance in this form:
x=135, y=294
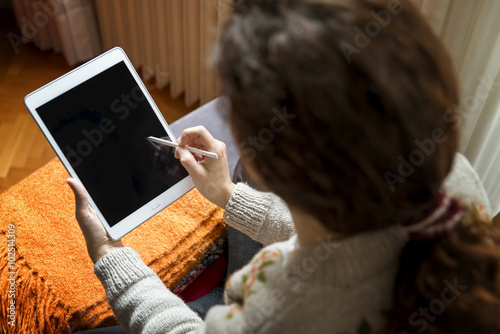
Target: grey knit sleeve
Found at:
x=139, y=299
x=262, y=216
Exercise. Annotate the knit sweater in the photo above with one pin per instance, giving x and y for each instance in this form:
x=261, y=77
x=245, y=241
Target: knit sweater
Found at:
x=332, y=287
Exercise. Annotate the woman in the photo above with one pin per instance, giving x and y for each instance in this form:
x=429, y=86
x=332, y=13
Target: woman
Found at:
x=359, y=158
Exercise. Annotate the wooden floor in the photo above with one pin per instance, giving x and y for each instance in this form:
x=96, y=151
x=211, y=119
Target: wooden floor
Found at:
x=23, y=148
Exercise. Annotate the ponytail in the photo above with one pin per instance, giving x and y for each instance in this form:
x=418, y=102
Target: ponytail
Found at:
x=450, y=283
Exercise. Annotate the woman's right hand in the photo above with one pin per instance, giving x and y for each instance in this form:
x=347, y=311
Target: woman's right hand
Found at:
x=210, y=176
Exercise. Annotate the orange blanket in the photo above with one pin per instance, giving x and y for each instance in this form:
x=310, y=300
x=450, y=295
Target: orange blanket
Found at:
x=55, y=289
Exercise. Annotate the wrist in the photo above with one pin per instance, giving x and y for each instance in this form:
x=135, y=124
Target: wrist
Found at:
x=227, y=192
x=99, y=252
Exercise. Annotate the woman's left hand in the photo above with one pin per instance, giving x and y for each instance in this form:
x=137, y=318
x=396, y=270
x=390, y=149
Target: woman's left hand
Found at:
x=98, y=241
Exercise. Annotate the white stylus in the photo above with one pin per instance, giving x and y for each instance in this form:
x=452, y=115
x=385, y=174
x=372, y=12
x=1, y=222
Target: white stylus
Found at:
x=192, y=149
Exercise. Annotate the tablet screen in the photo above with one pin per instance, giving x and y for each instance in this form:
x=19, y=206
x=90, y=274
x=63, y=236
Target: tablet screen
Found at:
x=102, y=127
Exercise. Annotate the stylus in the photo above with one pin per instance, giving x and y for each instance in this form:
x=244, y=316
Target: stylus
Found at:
x=192, y=149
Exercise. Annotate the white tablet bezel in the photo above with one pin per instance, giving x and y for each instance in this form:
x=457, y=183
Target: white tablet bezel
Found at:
x=73, y=79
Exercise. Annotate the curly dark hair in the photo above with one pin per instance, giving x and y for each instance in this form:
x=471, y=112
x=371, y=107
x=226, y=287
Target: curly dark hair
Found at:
x=347, y=110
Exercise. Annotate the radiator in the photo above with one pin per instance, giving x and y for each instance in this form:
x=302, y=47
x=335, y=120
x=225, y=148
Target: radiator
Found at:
x=168, y=41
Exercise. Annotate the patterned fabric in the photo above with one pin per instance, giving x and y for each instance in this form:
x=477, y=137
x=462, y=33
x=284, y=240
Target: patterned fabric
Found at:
x=212, y=254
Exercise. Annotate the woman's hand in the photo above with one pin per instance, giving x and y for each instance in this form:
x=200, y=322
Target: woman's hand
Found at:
x=210, y=176
x=96, y=237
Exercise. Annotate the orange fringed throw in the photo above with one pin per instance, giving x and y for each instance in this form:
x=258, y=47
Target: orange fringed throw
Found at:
x=56, y=288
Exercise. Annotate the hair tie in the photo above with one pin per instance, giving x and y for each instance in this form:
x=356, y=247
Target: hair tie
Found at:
x=436, y=222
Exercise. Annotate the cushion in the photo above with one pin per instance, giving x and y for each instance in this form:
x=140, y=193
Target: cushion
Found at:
x=45, y=271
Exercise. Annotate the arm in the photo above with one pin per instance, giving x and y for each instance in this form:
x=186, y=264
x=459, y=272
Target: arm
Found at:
x=143, y=304
x=139, y=299
x=262, y=216
x=137, y=296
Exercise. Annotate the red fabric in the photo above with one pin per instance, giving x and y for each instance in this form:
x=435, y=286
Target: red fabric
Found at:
x=206, y=282
x=436, y=222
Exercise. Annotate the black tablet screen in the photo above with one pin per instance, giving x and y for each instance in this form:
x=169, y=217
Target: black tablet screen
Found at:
x=101, y=126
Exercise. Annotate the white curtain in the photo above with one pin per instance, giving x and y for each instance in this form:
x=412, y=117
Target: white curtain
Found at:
x=65, y=26
x=471, y=31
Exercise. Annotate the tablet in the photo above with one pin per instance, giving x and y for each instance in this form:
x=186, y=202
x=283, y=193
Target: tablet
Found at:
x=97, y=119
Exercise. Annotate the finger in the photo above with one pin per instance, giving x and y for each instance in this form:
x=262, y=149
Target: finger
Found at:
x=176, y=152
x=81, y=199
x=198, y=157
x=199, y=135
x=189, y=161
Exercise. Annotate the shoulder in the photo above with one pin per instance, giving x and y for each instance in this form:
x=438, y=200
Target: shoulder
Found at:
x=253, y=280
x=464, y=183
